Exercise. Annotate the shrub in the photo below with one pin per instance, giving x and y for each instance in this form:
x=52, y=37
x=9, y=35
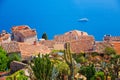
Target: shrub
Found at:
x=3, y=60
x=19, y=75
x=13, y=57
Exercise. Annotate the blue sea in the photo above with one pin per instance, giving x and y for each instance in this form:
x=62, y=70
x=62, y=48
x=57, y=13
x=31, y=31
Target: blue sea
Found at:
x=59, y=16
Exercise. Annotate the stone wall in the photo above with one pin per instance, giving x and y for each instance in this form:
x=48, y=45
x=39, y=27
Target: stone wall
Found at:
x=72, y=37
x=48, y=43
x=59, y=46
x=110, y=38
x=30, y=40
x=17, y=37
x=15, y=66
x=7, y=40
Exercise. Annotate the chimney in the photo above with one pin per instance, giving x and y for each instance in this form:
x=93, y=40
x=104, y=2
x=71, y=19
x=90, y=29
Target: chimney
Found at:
x=81, y=33
x=35, y=43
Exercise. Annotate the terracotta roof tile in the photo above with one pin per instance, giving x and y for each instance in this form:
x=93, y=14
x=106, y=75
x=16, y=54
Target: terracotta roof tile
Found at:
x=81, y=46
x=27, y=33
x=24, y=30
x=4, y=36
x=10, y=47
x=26, y=50
x=48, y=43
x=100, y=46
x=2, y=78
x=116, y=46
x=22, y=27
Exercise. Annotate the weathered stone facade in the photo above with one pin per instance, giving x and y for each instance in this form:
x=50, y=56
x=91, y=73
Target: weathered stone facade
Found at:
x=26, y=51
x=49, y=43
x=15, y=66
x=80, y=41
x=101, y=45
x=59, y=46
x=110, y=38
x=5, y=37
x=71, y=36
x=30, y=40
x=24, y=34
x=116, y=46
x=114, y=41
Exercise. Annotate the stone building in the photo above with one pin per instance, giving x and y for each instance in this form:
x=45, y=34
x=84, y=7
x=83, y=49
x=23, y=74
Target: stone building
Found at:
x=15, y=66
x=81, y=46
x=116, y=46
x=110, y=38
x=101, y=45
x=79, y=40
x=25, y=50
x=49, y=43
x=5, y=37
x=72, y=36
x=24, y=34
x=114, y=41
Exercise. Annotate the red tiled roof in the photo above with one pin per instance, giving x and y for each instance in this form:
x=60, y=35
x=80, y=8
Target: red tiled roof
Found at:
x=25, y=49
x=4, y=36
x=116, y=46
x=3, y=75
x=73, y=36
x=112, y=38
x=115, y=38
x=24, y=30
x=81, y=46
x=48, y=43
x=100, y=46
x=11, y=47
x=27, y=33
x=22, y=27
x=29, y=50
x=2, y=78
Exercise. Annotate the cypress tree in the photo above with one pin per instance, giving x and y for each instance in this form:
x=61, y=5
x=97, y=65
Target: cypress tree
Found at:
x=44, y=36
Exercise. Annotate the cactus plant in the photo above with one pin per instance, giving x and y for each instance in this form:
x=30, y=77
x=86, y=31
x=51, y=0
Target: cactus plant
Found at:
x=69, y=60
x=42, y=67
x=55, y=73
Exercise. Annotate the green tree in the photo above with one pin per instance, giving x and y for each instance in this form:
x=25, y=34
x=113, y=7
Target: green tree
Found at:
x=100, y=74
x=3, y=60
x=13, y=57
x=62, y=68
x=44, y=36
x=88, y=71
x=80, y=58
x=109, y=51
x=42, y=67
x=19, y=75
